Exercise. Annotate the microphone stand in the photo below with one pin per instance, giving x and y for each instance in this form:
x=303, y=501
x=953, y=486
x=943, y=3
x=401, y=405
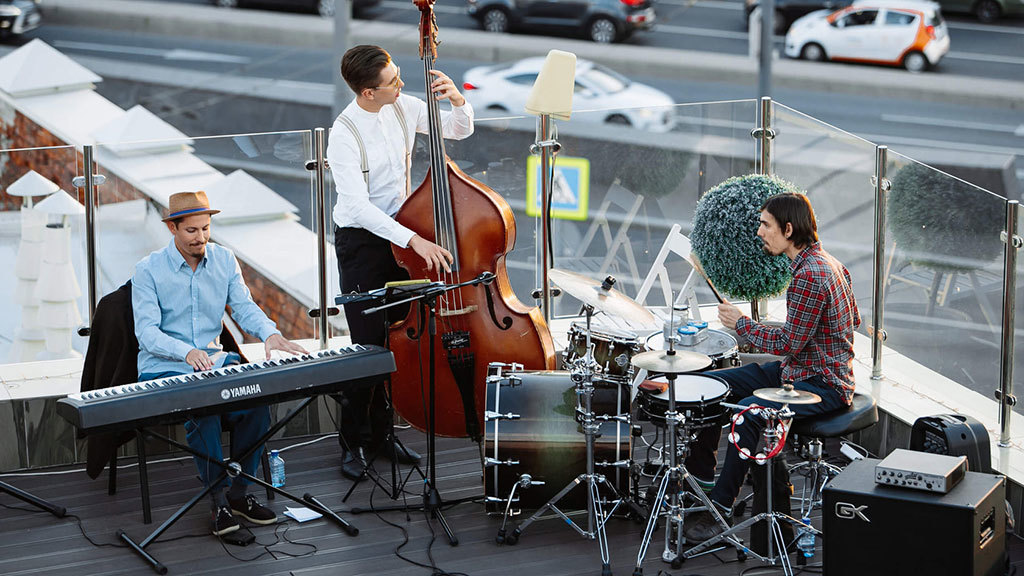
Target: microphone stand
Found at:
x=427, y=298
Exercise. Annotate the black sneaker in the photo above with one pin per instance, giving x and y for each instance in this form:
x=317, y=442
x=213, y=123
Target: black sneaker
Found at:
x=702, y=526
x=251, y=509
x=223, y=521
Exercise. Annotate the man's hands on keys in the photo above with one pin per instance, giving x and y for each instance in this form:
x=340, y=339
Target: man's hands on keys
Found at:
x=278, y=342
x=199, y=360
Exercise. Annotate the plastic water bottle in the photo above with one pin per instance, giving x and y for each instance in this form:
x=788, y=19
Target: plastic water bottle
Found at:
x=805, y=540
x=276, y=469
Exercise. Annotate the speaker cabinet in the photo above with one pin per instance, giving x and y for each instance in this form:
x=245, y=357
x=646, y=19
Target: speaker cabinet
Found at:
x=873, y=529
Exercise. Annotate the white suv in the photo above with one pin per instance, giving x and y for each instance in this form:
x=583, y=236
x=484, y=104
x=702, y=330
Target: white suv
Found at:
x=908, y=33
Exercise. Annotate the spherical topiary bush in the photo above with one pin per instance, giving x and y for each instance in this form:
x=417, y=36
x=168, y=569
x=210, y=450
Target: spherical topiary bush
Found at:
x=725, y=238
x=942, y=222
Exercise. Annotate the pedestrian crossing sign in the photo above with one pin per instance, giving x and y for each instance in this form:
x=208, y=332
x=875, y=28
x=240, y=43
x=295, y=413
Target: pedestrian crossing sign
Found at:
x=570, y=191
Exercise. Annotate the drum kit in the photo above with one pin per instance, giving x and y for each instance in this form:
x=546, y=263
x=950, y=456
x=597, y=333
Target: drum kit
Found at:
x=534, y=456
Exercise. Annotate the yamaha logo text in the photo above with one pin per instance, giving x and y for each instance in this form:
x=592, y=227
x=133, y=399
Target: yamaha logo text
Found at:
x=229, y=393
x=848, y=511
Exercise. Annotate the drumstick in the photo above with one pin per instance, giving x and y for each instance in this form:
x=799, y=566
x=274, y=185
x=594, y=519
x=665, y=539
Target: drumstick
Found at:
x=700, y=270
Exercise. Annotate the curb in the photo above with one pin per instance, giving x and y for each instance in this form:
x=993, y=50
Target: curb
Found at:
x=314, y=32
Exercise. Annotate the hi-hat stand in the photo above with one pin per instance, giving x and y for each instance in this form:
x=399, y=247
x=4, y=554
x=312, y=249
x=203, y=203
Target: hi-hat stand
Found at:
x=776, y=419
x=582, y=374
x=427, y=297
x=57, y=511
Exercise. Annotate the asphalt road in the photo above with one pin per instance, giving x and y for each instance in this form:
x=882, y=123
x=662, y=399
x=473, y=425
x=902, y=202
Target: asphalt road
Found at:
x=929, y=130
x=986, y=50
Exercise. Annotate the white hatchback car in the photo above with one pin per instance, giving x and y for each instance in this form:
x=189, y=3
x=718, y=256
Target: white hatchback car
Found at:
x=906, y=33
x=619, y=100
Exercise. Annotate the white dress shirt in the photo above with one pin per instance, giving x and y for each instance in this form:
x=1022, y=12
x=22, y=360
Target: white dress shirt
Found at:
x=373, y=207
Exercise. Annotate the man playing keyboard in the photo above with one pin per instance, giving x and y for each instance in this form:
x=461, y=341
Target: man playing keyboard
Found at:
x=179, y=294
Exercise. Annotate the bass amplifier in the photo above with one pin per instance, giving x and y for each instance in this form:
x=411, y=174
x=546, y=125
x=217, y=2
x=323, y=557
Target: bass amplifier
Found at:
x=876, y=529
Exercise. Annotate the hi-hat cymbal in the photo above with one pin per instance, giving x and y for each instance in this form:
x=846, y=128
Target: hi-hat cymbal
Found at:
x=671, y=361
x=787, y=395
x=608, y=300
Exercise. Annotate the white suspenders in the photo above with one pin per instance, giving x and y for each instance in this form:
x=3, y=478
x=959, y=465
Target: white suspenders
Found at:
x=363, y=165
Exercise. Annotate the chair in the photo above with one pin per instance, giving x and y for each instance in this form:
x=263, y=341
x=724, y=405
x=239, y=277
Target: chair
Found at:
x=630, y=203
x=863, y=412
x=111, y=360
x=678, y=244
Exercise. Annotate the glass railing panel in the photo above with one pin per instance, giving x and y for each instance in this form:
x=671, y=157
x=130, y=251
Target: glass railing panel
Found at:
x=618, y=190
x=263, y=191
x=834, y=168
x=943, y=273
x=43, y=301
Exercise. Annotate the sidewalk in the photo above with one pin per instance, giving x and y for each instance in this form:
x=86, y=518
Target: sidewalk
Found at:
x=309, y=31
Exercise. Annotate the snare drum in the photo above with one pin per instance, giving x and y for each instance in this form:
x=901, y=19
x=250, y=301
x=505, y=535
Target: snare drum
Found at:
x=719, y=346
x=699, y=399
x=531, y=428
x=613, y=348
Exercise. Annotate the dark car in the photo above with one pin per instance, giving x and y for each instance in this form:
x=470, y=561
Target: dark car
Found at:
x=600, y=20
x=18, y=17
x=984, y=10
x=787, y=11
x=322, y=7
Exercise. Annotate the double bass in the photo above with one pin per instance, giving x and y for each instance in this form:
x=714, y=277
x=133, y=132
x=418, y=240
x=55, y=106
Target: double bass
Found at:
x=477, y=324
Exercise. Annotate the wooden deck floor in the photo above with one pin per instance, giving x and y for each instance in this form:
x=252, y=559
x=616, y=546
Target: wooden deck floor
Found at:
x=33, y=542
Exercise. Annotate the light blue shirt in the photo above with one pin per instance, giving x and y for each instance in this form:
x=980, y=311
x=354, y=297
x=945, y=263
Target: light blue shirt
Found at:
x=177, y=309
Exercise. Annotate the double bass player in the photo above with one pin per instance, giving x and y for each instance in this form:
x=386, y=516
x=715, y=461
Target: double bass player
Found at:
x=369, y=151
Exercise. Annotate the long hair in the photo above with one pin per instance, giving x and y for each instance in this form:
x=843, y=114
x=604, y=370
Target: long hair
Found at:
x=794, y=209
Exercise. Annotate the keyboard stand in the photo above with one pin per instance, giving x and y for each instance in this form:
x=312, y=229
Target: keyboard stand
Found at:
x=233, y=469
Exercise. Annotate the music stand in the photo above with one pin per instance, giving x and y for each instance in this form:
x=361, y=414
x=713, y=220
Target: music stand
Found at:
x=427, y=297
x=380, y=296
x=57, y=511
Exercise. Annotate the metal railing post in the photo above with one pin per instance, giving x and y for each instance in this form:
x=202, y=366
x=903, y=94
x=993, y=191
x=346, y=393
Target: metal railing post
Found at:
x=877, y=329
x=763, y=134
x=1005, y=392
x=321, y=235
x=89, y=182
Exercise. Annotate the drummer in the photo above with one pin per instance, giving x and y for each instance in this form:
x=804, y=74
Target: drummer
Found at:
x=816, y=343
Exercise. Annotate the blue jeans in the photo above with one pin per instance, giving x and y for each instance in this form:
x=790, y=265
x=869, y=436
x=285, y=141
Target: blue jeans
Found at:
x=742, y=382
x=203, y=435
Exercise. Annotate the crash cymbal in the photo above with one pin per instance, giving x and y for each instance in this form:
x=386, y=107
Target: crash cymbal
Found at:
x=601, y=296
x=671, y=361
x=787, y=395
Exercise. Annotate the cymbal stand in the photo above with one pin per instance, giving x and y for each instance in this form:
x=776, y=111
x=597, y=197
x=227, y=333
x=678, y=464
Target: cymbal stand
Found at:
x=670, y=487
x=582, y=374
x=777, y=420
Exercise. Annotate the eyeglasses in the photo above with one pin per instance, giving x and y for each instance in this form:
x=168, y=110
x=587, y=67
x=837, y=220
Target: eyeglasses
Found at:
x=394, y=83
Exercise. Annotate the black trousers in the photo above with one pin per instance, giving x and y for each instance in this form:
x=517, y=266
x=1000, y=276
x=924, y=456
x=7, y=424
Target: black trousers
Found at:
x=365, y=262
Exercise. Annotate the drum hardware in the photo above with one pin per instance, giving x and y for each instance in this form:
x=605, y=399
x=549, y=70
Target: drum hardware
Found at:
x=491, y=415
x=777, y=422
x=613, y=349
x=524, y=482
x=601, y=296
x=673, y=363
x=581, y=372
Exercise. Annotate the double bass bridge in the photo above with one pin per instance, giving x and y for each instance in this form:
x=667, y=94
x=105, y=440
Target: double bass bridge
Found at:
x=447, y=312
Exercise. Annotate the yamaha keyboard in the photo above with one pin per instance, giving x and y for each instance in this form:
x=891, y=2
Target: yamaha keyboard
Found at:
x=177, y=398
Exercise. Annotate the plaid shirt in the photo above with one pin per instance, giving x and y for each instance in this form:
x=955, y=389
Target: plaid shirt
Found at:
x=821, y=315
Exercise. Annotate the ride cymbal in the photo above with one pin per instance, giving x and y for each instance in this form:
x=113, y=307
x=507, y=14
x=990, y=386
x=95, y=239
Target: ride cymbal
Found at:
x=601, y=296
x=671, y=361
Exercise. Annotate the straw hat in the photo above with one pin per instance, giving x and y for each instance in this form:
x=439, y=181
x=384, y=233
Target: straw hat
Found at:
x=187, y=204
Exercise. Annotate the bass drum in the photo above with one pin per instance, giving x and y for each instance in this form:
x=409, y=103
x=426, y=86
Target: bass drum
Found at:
x=531, y=427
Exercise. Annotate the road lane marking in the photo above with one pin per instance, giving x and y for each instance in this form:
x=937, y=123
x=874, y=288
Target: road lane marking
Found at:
x=986, y=58
x=966, y=125
x=983, y=28
x=167, y=54
x=720, y=4
x=394, y=5
x=692, y=31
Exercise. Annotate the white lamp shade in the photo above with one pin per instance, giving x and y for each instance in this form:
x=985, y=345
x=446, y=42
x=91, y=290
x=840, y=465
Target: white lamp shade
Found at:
x=552, y=91
x=56, y=245
x=58, y=345
x=25, y=292
x=57, y=283
x=26, y=263
x=32, y=184
x=30, y=323
x=32, y=225
x=59, y=315
x=61, y=203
